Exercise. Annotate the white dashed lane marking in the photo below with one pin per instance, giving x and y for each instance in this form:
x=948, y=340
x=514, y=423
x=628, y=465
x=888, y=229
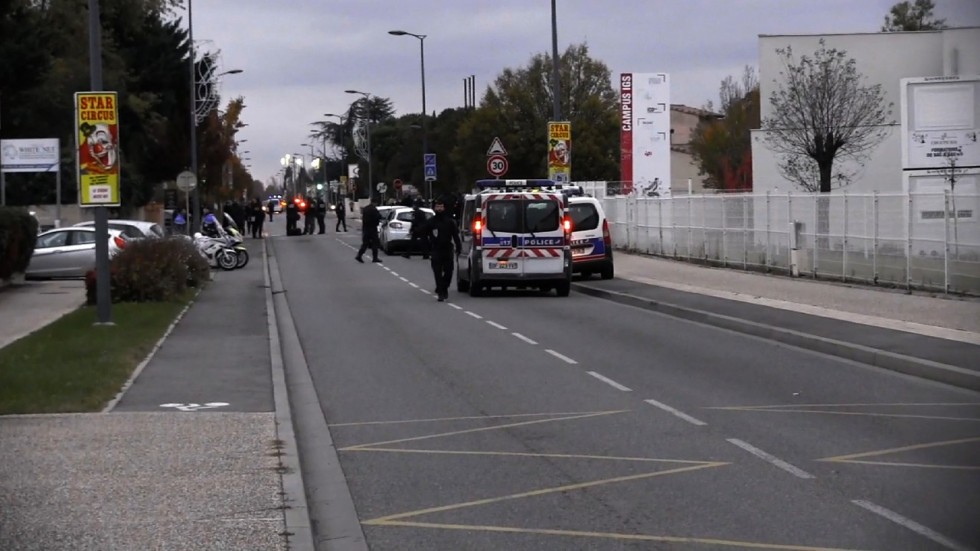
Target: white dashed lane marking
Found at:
x=610, y=382
x=413, y=284
x=911, y=525
x=795, y=471
x=676, y=412
x=474, y=314
x=523, y=338
x=456, y=306
x=497, y=325
x=561, y=357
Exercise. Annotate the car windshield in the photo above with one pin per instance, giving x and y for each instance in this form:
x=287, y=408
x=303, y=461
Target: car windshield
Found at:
x=407, y=215
x=584, y=216
x=519, y=216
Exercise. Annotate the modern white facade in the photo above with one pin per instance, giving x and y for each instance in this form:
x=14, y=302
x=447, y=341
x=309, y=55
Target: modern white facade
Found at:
x=883, y=58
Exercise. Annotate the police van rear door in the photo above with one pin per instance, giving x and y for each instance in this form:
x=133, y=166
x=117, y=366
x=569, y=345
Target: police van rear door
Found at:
x=523, y=238
x=542, y=243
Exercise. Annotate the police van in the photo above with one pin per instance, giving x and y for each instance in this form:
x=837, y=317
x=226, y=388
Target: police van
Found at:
x=515, y=233
x=592, y=250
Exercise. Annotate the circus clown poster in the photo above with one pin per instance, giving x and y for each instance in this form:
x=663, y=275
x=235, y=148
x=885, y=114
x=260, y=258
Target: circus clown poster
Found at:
x=97, y=147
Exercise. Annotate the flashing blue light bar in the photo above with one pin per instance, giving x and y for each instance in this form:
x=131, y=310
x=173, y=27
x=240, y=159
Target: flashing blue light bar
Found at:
x=514, y=184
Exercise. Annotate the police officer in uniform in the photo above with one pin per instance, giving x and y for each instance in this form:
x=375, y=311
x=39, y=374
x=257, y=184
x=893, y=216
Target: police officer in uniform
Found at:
x=292, y=217
x=321, y=214
x=442, y=233
x=370, y=218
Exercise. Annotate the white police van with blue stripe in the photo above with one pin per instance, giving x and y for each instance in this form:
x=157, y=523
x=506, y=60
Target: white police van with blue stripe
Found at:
x=515, y=233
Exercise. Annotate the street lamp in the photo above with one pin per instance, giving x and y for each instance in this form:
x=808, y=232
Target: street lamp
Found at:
x=425, y=145
x=367, y=120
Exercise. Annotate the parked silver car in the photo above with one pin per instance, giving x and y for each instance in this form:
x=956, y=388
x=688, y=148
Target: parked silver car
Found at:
x=132, y=229
x=69, y=252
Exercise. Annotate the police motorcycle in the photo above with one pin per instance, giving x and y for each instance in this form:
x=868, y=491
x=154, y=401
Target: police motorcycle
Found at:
x=235, y=239
x=214, y=247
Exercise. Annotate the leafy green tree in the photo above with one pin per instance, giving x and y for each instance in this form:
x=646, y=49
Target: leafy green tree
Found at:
x=909, y=16
x=722, y=146
x=518, y=106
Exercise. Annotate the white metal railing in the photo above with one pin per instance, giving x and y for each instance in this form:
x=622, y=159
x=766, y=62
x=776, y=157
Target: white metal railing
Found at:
x=919, y=240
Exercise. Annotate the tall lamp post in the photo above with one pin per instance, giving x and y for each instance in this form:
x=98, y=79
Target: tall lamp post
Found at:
x=425, y=144
x=367, y=121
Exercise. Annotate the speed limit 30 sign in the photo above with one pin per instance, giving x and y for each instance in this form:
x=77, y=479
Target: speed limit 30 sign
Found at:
x=497, y=165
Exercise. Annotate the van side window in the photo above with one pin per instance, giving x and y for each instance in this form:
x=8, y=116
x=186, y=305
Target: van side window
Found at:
x=469, y=209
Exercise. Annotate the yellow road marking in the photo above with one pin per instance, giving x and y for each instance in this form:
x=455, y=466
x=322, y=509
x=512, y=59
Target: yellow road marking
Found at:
x=609, y=535
x=849, y=457
x=896, y=404
x=518, y=454
x=480, y=429
x=919, y=465
x=860, y=413
x=470, y=418
x=540, y=492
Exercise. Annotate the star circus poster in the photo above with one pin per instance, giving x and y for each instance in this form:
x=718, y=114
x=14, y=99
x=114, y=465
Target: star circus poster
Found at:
x=97, y=147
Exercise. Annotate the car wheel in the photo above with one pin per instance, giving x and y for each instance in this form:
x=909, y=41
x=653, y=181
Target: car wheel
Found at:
x=563, y=288
x=462, y=285
x=607, y=271
x=476, y=288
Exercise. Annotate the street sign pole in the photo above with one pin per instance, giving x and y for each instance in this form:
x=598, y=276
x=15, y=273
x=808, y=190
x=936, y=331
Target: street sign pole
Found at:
x=103, y=298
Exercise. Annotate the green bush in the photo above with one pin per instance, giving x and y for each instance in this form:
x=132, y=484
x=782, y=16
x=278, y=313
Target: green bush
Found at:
x=152, y=270
x=18, y=235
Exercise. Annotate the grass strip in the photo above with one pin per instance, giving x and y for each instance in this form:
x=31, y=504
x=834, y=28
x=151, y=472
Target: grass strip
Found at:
x=73, y=365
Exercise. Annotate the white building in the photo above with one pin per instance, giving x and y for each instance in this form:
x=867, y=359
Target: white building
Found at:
x=883, y=58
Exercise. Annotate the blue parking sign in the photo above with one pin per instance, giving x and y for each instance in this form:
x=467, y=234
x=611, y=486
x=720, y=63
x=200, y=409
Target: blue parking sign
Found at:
x=430, y=166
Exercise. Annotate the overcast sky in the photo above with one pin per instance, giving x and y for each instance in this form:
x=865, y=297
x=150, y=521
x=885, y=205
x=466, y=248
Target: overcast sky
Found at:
x=298, y=56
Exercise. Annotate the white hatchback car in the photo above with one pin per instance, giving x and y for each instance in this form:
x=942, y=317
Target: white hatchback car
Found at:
x=133, y=229
x=396, y=230
x=69, y=252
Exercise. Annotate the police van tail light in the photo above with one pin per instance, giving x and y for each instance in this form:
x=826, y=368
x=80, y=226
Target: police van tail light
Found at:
x=606, y=238
x=566, y=224
x=477, y=231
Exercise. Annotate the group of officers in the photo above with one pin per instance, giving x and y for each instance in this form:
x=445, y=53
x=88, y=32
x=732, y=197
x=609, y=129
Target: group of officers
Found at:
x=314, y=212
x=434, y=237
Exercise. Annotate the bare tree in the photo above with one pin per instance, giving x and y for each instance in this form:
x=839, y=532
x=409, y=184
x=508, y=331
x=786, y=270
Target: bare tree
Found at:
x=908, y=16
x=823, y=112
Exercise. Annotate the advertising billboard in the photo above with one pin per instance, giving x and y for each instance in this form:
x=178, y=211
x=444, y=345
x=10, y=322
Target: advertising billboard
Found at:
x=645, y=133
x=39, y=155
x=97, y=148
x=560, y=151
x=940, y=122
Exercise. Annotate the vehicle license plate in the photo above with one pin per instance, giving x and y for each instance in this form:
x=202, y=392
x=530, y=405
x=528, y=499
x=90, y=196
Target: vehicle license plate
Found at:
x=503, y=265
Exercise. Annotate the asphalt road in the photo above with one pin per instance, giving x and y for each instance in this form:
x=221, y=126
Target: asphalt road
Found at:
x=522, y=421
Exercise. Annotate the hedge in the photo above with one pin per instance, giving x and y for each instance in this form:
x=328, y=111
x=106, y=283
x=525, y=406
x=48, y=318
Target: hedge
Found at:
x=18, y=235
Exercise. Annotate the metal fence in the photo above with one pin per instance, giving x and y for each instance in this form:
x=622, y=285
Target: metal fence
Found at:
x=919, y=240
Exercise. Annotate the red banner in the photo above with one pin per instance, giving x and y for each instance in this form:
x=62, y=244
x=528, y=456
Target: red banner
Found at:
x=626, y=131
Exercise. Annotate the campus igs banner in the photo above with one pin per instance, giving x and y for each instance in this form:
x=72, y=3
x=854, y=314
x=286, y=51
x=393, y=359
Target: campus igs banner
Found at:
x=645, y=133
x=97, y=148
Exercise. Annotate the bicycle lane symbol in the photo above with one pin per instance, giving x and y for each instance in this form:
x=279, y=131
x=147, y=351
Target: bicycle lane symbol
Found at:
x=195, y=407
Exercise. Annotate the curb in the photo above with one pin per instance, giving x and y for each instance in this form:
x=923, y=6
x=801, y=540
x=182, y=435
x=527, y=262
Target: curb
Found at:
x=296, y=512
x=329, y=503
x=918, y=367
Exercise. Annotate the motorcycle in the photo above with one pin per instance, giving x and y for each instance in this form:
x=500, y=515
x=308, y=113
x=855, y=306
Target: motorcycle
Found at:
x=216, y=251
x=233, y=237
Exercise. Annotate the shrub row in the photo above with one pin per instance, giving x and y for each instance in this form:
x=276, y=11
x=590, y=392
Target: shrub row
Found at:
x=18, y=235
x=152, y=270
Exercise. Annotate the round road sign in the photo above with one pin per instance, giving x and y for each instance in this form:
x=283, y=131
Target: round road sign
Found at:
x=397, y=183
x=497, y=165
x=186, y=181
x=381, y=187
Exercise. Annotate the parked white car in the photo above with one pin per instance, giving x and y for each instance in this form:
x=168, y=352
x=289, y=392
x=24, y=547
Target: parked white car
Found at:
x=69, y=252
x=396, y=230
x=133, y=229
